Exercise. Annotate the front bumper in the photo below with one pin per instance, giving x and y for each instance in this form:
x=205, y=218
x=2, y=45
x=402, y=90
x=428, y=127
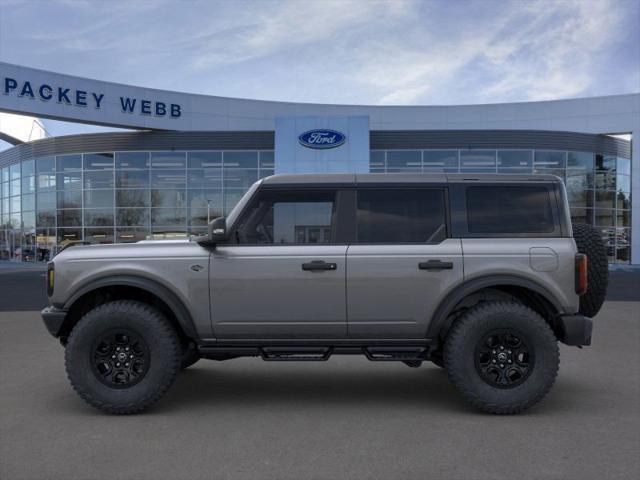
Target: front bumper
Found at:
x=54, y=320
x=575, y=330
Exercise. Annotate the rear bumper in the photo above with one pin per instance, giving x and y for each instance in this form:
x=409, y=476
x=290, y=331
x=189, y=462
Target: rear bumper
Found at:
x=53, y=319
x=575, y=330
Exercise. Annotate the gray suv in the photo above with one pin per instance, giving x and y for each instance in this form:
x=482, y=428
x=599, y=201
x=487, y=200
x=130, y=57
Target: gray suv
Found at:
x=480, y=274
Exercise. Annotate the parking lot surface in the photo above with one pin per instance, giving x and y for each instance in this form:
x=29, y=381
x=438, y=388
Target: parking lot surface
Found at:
x=342, y=419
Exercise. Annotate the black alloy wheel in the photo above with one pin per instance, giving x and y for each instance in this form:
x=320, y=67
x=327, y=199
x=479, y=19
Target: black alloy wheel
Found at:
x=120, y=358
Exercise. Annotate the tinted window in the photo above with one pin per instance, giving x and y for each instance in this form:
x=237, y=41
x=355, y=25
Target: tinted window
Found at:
x=289, y=218
x=401, y=216
x=504, y=209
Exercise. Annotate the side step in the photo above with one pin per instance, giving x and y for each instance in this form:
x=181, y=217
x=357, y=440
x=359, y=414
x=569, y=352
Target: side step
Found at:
x=394, y=354
x=295, y=354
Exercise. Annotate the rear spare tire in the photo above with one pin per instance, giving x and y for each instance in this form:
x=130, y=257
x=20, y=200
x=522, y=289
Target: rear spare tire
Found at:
x=589, y=241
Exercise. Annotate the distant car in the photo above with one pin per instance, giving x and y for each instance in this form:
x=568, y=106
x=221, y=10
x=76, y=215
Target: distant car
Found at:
x=482, y=275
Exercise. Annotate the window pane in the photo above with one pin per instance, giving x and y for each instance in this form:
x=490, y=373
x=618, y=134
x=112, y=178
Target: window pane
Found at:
x=204, y=159
x=46, y=218
x=46, y=181
x=132, y=198
x=440, y=160
x=98, y=199
x=98, y=217
x=168, y=159
x=582, y=160
x=67, y=235
x=401, y=216
x=205, y=178
x=623, y=183
x=98, y=235
x=129, y=235
x=582, y=215
x=623, y=166
x=506, y=209
x=168, y=198
x=605, y=199
x=133, y=216
x=69, y=162
x=202, y=198
x=46, y=164
x=376, y=159
x=477, y=160
x=14, y=186
x=241, y=159
x=266, y=159
x=70, y=218
x=28, y=184
x=14, y=171
x=239, y=178
x=604, y=218
x=168, y=179
x=288, y=218
x=132, y=160
x=550, y=159
x=132, y=179
x=169, y=217
x=98, y=179
x=28, y=167
x=70, y=199
x=623, y=200
x=404, y=159
x=5, y=174
x=69, y=180
x=29, y=202
x=515, y=161
x=98, y=161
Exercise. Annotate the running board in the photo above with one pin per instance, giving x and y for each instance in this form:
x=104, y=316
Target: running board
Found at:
x=295, y=354
x=395, y=354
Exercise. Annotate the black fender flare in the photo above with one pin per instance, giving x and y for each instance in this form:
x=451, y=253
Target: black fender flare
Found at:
x=460, y=292
x=153, y=287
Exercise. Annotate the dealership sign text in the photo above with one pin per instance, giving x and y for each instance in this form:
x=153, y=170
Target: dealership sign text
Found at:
x=81, y=98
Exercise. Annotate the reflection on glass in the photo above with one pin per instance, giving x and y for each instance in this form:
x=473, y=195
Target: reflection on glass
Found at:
x=98, y=217
x=132, y=160
x=168, y=160
x=68, y=162
x=129, y=235
x=98, y=161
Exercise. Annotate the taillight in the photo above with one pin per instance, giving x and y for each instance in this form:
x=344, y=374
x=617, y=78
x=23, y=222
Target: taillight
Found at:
x=50, y=278
x=581, y=274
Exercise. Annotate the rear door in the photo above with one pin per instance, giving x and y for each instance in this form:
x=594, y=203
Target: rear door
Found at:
x=285, y=276
x=401, y=263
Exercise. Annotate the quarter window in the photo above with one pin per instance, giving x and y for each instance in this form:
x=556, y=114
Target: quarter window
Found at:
x=401, y=216
x=509, y=209
x=281, y=218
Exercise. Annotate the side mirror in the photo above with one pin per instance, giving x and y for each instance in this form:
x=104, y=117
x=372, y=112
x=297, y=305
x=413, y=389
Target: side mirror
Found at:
x=217, y=233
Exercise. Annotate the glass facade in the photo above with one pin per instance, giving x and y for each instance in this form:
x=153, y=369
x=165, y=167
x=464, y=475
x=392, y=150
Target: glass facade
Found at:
x=598, y=186
x=107, y=197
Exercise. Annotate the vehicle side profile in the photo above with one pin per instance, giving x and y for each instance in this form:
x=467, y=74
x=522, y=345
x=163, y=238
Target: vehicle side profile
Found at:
x=480, y=274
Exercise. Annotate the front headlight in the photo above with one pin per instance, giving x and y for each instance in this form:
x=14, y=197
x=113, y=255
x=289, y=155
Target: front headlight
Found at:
x=50, y=278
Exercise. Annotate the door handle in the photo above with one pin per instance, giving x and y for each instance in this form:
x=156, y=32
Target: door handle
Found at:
x=435, y=265
x=317, y=265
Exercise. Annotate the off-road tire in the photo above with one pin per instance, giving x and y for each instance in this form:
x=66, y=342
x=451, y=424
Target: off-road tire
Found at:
x=163, y=347
x=460, y=356
x=189, y=356
x=589, y=241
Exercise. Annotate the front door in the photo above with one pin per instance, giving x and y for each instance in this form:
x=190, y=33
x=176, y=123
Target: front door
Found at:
x=401, y=263
x=284, y=277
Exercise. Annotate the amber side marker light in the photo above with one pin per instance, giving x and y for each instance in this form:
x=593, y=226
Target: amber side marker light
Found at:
x=50, y=279
x=581, y=274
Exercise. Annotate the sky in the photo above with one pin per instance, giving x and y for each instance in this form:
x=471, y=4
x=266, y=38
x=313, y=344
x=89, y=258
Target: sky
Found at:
x=394, y=52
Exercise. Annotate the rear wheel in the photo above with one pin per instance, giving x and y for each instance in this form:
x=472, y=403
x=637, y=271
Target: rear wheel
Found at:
x=122, y=356
x=502, y=357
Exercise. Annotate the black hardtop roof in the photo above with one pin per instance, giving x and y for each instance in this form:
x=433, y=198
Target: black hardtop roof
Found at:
x=352, y=179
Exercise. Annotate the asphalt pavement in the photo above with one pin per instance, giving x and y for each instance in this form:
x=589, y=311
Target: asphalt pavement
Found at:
x=347, y=418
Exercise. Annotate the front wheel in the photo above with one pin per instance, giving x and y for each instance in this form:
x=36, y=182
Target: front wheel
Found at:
x=122, y=356
x=502, y=357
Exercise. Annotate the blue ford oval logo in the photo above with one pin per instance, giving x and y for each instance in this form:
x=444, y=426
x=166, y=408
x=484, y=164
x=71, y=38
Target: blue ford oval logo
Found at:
x=322, y=138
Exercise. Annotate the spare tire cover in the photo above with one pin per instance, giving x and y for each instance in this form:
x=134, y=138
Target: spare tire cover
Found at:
x=589, y=241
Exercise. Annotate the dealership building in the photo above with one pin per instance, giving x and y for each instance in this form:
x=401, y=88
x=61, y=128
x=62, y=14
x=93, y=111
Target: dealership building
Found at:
x=189, y=158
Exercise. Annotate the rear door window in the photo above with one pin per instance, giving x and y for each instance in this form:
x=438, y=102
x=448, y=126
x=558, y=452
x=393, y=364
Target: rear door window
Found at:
x=401, y=216
x=500, y=209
